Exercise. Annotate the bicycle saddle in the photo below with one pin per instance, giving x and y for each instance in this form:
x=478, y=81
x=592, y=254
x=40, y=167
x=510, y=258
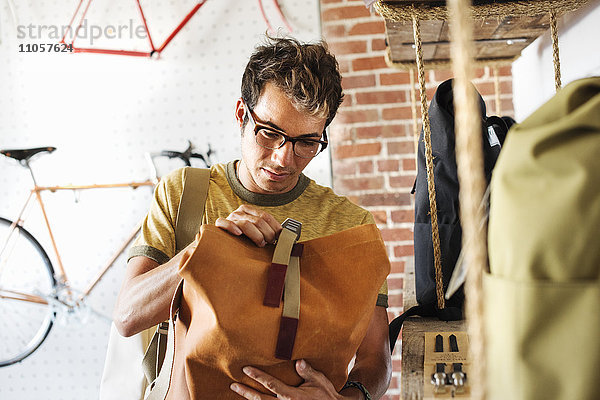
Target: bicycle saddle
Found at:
x=25, y=154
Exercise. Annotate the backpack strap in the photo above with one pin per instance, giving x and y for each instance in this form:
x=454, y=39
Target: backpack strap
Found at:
x=187, y=225
x=191, y=205
x=160, y=386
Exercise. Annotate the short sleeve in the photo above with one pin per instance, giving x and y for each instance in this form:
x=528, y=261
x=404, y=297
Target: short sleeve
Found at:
x=382, y=297
x=157, y=236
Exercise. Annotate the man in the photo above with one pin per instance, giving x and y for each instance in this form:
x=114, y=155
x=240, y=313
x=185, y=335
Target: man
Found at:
x=290, y=93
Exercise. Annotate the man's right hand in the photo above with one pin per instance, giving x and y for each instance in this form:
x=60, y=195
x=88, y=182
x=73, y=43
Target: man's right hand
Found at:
x=259, y=226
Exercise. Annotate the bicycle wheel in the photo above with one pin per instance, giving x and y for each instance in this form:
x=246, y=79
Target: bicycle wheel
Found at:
x=26, y=281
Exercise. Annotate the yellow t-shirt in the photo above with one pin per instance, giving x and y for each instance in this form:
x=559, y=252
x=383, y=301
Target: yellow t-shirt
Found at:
x=320, y=210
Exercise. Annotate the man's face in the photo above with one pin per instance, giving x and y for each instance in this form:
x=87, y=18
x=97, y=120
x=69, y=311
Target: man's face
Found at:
x=275, y=171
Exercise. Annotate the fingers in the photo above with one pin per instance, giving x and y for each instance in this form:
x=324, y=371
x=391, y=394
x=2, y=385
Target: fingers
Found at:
x=306, y=371
x=229, y=226
x=260, y=226
x=247, y=393
x=269, y=382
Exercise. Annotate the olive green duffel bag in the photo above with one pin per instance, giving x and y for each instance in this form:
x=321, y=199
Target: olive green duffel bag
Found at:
x=543, y=291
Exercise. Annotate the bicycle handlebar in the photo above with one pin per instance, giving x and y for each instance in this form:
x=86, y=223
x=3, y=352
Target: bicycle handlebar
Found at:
x=184, y=156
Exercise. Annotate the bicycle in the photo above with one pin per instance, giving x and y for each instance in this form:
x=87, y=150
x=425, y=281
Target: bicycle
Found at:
x=32, y=291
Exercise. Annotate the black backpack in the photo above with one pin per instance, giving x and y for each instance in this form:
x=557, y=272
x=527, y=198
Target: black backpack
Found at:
x=441, y=118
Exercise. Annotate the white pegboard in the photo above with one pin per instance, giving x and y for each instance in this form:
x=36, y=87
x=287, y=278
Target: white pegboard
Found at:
x=103, y=112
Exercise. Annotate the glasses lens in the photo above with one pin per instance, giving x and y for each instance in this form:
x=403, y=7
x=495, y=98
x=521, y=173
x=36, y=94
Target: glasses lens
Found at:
x=307, y=148
x=269, y=139
x=273, y=140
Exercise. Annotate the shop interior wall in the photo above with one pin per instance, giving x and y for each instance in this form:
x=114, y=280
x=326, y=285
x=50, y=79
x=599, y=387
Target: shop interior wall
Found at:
x=579, y=49
x=102, y=112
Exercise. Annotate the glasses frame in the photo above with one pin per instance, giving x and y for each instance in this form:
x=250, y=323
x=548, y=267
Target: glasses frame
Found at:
x=286, y=138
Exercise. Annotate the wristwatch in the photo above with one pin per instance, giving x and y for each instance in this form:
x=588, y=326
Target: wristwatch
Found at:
x=358, y=386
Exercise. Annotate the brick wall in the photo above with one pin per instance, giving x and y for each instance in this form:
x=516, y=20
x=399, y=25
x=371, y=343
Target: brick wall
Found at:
x=372, y=137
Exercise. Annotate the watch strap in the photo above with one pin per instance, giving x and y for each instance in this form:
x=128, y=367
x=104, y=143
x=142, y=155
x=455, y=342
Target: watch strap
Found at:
x=359, y=386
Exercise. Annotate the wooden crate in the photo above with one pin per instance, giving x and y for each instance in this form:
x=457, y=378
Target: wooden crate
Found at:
x=501, y=31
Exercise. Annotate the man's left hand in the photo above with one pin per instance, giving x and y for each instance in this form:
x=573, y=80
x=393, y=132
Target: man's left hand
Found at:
x=315, y=386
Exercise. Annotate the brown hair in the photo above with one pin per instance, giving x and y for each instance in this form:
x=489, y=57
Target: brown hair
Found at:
x=306, y=72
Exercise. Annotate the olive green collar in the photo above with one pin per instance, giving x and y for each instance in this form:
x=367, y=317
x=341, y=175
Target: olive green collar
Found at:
x=259, y=199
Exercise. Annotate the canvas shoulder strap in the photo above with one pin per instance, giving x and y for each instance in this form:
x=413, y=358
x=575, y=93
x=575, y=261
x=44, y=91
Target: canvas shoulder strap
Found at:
x=191, y=205
x=187, y=225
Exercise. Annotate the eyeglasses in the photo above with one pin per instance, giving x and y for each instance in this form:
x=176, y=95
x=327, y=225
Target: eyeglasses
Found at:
x=272, y=139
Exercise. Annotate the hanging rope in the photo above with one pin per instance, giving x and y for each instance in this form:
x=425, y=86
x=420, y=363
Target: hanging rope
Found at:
x=497, y=90
x=555, y=55
x=435, y=236
x=413, y=109
x=469, y=160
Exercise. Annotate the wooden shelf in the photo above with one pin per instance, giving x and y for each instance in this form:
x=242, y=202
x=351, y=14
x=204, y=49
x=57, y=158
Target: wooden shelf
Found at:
x=501, y=30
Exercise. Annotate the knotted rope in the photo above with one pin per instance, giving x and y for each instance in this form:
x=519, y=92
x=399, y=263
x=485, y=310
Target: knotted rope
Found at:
x=435, y=235
x=555, y=55
x=469, y=160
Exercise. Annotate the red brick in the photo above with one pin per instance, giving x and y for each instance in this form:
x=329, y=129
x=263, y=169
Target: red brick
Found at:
x=409, y=164
x=369, y=132
x=479, y=73
x=340, y=133
x=504, y=71
x=368, y=63
x=344, y=13
x=355, y=116
x=485, y=88
x=401, y=147
x=380, y=216
x=410, y=129
x=438, y=76
x=367, y=28
x=403, y=215
x=397, y=267
x=506, y=87
x=384, y=199
x=402, y=181
x=506, y=107
x=388, y=165
x=357, y=150
x=348, y=47
x=344, y=66
x=403, y=250
x=404, y=112
x=380, y=97
x=331, y=31
x=348, y=100
x=343, y=167
x=365, y=167
x=395, y=300
x=358, y=81
x=354, y=184
x=394, y=131
x=395, y=78
x=378, y=44
x=395, y=283
x=429, y=92
x=442, y=75
x=396, y=234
